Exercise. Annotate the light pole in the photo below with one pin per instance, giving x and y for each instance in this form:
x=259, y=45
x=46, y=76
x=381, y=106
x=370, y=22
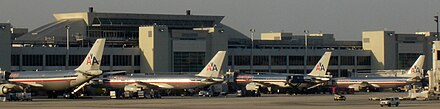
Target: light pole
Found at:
x=67, y=37
x=252, y=49
x=306, y=32
x=67, y=47
x=436, y=21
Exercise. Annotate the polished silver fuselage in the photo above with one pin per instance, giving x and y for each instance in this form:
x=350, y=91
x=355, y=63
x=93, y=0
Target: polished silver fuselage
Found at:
x=268, y=79
x=159, y=81
x=50, y=80
x=382, y=82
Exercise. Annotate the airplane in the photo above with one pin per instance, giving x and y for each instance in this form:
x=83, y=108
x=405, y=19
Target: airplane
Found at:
x=412, y=76
x=209, y=75
x=298, y=81
x=60, y=80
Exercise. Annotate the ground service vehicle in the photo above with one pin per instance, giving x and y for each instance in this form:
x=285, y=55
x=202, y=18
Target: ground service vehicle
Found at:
x=339, y=97
x=389, y=101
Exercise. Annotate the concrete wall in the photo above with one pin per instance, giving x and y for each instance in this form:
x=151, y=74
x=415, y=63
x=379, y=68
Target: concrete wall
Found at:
x=155, y=47
x=382, y=45
x=5, y=46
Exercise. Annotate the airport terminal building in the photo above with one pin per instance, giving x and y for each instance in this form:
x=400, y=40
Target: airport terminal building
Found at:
x=146, y=43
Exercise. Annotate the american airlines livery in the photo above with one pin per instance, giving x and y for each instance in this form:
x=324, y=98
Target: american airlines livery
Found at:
x=412, y=76
x=68, y=81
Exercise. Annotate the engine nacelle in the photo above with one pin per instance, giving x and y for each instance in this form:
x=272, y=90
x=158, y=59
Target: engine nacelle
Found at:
x=8, y=88
x=3, y=90
x=254, y=86
x=134, y=87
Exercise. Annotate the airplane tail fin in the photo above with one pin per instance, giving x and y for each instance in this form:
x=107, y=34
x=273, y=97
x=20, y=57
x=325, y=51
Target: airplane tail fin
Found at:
x=417, y=68
x=92, y=62
x=212, y=69
x=322, y=65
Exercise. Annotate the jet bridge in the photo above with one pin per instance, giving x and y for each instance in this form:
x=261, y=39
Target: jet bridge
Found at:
x=434, y=74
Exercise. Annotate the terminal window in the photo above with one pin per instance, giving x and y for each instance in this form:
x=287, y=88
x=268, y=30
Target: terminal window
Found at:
x=137, y=60
x=296, y=60
x=229, y=60
x=363, y=60
x=333, y=60
x=296, y=71
x=333, y=72
x=347, y=60
x=405, y=60
x=242, y=60
x=32, y=60
x=312, y=60
x=121, y=60
x=345, y=73
x=15, y=60
x=76, y=60
x=55, y=60
x=105, y=60
x=278, y=60
x=279, y=71
x=261, y=60
x=189, y=61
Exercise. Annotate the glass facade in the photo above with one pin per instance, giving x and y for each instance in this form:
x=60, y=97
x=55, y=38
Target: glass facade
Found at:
x=278, y=60
x=15, y=60
x=32, y=60
x=121, y=60
x=279, y=71
x=189, y=61
x=105, y=60
x=296, y=71
x=242, y=60
x=76, y=60
x=347, y=60
x=363, y=60
x=261, y=60
x=137, y=60
x=406, y=60
x=296, y=60
x=128, y=29
x=312, y=60
x=333, y=60
x=55, y=60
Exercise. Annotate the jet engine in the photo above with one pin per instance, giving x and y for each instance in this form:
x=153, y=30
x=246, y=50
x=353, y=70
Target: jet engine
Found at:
x=7, y=88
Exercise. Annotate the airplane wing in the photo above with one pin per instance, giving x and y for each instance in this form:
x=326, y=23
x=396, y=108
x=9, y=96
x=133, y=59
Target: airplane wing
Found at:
x=33, y=84
x=151, y=85
x=363, y=86
x=267, y=84
x=114, y=73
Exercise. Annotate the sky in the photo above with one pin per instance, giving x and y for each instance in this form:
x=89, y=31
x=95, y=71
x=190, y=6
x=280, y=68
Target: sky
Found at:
x=346, y=19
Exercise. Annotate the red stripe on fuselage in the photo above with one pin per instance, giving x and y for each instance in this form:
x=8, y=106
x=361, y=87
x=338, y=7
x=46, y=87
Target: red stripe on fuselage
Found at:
x=261, y=81
x=43, y=80
x=372, y=83
x=153, y=82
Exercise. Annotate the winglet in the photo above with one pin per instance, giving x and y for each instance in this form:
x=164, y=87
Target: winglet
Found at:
x=322, y=65
x=417, y=67
x=92, y=62
x=212, y=69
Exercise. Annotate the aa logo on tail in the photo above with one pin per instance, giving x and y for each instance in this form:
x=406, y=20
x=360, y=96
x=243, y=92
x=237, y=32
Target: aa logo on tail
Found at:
x=319, y=67
x=91, y=60
x=211, y=67
x=415, y=69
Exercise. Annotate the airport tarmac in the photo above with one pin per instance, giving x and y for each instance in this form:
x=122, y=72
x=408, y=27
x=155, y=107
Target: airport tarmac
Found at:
x=272, y=101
